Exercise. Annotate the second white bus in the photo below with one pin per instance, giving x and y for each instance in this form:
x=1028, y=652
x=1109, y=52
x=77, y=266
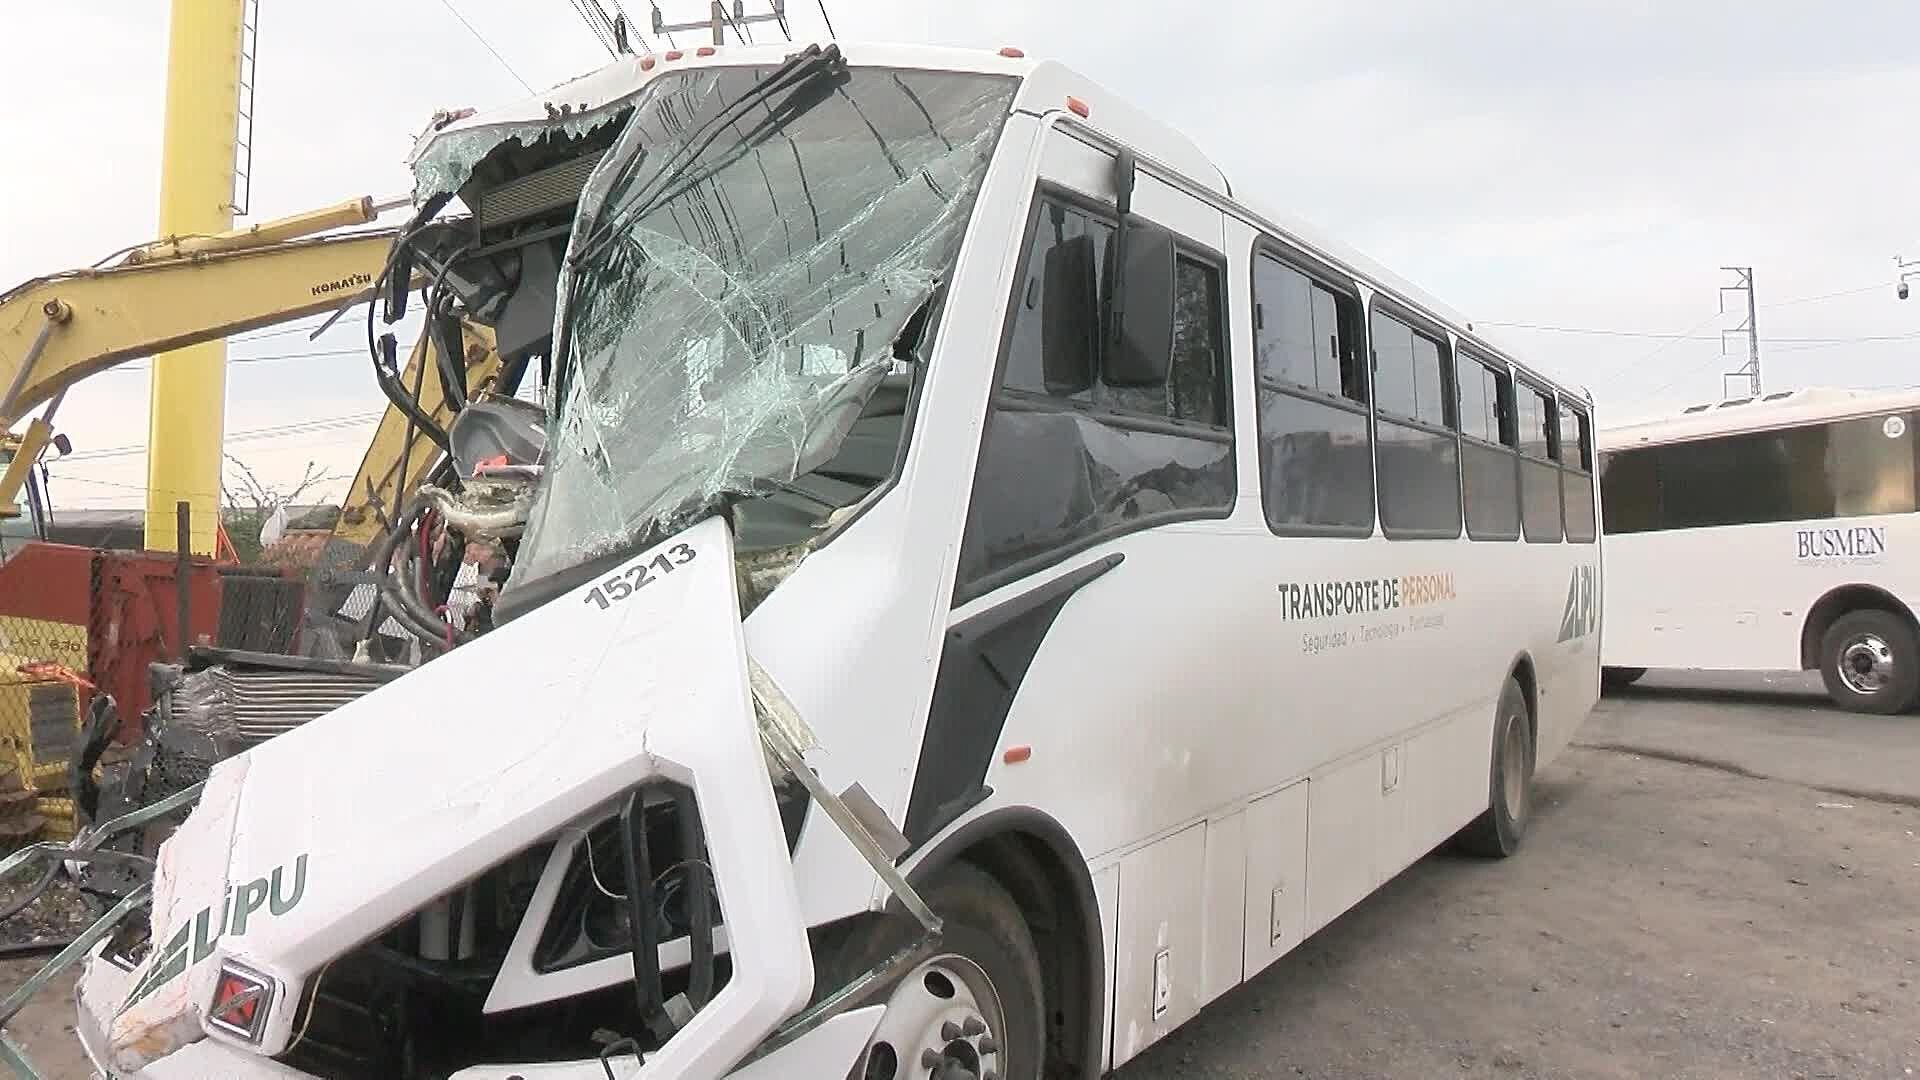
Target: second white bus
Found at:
x=1768, y=535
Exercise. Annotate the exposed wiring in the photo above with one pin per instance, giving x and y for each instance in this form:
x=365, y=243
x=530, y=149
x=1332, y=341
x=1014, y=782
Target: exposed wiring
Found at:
x=594, y=873
x=313, y=1002
x=477, y=36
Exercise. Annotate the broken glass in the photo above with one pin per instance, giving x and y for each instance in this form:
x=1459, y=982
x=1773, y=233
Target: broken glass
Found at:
x=735, y=284
x=448, y=162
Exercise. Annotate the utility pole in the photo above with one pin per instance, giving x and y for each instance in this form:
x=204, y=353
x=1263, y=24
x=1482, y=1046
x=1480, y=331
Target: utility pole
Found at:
x=209, y=52
x=718, y=20
x=1750, y=369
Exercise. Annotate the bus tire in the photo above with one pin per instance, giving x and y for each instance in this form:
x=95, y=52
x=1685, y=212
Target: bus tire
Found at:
x=1497, y=832
x=1619, y=678
x=1870, y=662
x=973, y=1008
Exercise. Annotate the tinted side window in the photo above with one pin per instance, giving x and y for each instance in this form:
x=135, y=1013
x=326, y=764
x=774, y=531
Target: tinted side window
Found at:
x=1064, y=464
x=1316, y=453
x=1629, y=491
x=1844, y=468
x=1576, y=481
x=1417, y=456
x=1489, y=469
x=1419, y=481
x=1486, y=402
x=1539, y=478
x=1409, y=372
x=1302, y=335
x=1536, y=424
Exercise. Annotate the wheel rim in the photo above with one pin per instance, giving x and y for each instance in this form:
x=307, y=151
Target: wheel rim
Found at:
x=1866, y=664
x=1513, y=767
x=943, y=1022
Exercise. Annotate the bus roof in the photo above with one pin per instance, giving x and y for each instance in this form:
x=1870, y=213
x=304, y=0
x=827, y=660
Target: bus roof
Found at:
x=1784, y=408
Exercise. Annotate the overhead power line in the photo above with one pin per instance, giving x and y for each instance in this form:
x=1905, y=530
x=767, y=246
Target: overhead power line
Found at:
x=828, y=19
x=488, y=45
x=300, y=427
x=593, y=26
x=323, y=354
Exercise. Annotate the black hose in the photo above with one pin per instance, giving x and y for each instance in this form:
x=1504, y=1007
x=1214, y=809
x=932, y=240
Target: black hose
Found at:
x=409, y=608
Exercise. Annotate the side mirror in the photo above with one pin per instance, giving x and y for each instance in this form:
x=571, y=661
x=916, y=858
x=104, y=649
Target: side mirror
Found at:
x=1140, y=330
x=63, y=444
x=1072, y=323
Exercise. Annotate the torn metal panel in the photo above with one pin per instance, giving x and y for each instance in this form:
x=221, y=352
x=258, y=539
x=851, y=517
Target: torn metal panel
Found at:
x=735, y=284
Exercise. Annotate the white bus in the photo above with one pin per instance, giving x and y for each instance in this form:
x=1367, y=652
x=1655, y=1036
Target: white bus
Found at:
x=1151, y=580
x=1767, y=535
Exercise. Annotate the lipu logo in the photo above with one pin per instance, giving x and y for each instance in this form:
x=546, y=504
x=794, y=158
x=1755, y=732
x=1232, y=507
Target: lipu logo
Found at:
x=279, y=891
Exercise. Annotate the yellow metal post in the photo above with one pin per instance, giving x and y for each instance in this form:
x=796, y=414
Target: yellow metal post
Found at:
x=188, y=402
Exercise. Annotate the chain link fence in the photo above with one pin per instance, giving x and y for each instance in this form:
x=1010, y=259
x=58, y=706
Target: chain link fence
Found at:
x=42, y=668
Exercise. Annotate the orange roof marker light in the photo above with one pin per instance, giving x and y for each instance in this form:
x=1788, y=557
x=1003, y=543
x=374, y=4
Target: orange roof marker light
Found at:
x=704, y=50
x=674, y=54
x=1078, y=107
x=1012, y=53
x=1017, y=754
x=646, y=63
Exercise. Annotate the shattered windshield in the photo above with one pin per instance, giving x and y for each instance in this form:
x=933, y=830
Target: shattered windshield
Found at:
x=743, y=262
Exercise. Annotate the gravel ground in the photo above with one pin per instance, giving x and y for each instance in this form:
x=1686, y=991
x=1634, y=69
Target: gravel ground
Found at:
x=1665, y=920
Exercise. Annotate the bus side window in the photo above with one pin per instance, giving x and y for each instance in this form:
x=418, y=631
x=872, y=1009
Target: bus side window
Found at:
x=1539, y=475
x=1418, y=455
x=1489, y=473
x=1576, y=480
x=1067, y=460
x=1316, y=453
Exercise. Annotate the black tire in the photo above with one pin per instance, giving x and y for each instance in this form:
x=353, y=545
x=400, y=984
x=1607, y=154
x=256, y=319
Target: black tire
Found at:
x=1497, y=832
x=1619, y=678
x=1870, y=662
x=982, y=927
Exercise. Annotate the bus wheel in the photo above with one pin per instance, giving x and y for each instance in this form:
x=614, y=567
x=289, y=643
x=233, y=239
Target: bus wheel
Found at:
x=1496, y=833
x=1870, y=662
x=1619, y=678
x=970, y=1011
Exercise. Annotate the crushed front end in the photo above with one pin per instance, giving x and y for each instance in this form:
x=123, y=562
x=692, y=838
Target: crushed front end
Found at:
x=533, y=812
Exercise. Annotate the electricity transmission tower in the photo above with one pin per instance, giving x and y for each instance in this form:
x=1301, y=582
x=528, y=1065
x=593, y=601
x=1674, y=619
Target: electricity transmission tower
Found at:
x=1751, y=369
x=719, y=19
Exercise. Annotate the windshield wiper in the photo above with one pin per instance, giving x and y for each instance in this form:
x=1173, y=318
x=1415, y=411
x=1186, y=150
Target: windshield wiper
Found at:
x=800, y=69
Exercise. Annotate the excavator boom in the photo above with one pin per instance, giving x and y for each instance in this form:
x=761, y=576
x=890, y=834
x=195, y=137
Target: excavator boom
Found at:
x=62, y=328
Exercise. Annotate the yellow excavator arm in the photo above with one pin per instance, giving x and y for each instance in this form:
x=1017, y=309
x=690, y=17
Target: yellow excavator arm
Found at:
x=60, y=329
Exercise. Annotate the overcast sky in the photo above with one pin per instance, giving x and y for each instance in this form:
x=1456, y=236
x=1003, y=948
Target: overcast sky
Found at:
x=1582, y=165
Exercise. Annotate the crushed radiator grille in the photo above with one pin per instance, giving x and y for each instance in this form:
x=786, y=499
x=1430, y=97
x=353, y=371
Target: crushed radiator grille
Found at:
x=262, y=704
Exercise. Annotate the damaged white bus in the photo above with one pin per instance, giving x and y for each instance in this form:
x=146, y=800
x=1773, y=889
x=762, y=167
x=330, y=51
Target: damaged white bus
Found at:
x=978, y=592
